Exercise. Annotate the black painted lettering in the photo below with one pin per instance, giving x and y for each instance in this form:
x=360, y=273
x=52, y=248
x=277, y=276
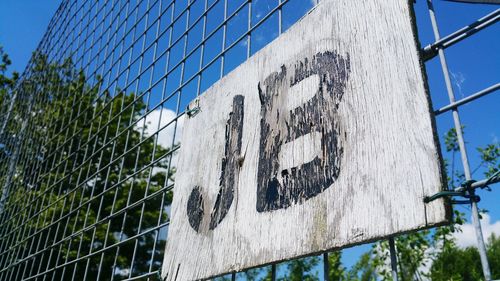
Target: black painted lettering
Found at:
x=230, y=166
x=280, y=188
x=229, y=174
x=195, y=208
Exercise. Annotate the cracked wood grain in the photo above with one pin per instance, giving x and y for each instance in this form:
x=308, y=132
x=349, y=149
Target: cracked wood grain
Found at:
x=321, y=140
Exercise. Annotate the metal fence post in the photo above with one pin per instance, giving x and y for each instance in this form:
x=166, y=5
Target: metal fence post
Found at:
x=394, y=259
x=326, y=267
x=458, y=128
x=83, y=187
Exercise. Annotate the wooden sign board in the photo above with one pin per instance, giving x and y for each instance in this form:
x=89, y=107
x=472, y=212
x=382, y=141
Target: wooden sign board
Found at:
x=321, y=140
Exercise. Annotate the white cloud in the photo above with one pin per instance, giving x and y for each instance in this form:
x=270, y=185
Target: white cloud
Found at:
x=467, y=237
x=156, y=121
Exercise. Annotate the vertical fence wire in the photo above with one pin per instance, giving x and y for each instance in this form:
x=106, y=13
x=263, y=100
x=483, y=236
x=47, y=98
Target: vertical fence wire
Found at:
x=90, y=135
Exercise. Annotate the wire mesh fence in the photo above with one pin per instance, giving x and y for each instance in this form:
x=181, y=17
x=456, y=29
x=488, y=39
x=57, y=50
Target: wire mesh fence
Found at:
x=89, y=137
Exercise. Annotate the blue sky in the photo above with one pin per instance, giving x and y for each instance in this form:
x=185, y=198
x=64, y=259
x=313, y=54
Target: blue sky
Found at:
x=22, y=25
x=474, y=64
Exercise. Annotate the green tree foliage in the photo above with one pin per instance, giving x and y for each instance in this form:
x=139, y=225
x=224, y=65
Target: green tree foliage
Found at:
x=494, y=255
x=490, y=156
x=336, y=271
x=6, y=85
x=453, y=263
x=253, y=274
x=6, y=82
x=91, y=174
x=302, y=269
x=365, y=269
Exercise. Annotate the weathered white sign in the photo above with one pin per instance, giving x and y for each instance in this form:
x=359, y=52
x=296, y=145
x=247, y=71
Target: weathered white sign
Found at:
x=321, y=140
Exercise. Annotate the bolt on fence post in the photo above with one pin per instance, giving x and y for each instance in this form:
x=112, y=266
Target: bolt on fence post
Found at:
x=394, y=259
x=465, y=162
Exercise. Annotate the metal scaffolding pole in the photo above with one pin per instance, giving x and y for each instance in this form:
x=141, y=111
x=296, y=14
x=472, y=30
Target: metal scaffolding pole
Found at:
x=432, y=50
x=468, y=99
x=463, y=152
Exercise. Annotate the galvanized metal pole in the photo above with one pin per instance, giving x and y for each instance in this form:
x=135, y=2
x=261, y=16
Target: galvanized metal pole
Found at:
x=458, y=128
x=394, y=259
x=432, y=50
x=468, y=99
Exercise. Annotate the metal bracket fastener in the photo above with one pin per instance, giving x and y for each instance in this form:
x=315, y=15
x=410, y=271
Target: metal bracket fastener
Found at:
x=467, y=192
x=193, y=108
x=191, y=112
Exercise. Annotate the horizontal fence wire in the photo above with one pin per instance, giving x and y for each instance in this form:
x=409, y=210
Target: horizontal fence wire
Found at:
x=89, y=137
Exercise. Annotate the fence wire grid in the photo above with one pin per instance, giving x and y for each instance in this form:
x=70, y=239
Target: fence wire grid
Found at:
x=89, y=137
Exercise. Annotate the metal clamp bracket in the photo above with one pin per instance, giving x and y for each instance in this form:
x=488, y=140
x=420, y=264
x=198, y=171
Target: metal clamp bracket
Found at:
x=467, y=191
